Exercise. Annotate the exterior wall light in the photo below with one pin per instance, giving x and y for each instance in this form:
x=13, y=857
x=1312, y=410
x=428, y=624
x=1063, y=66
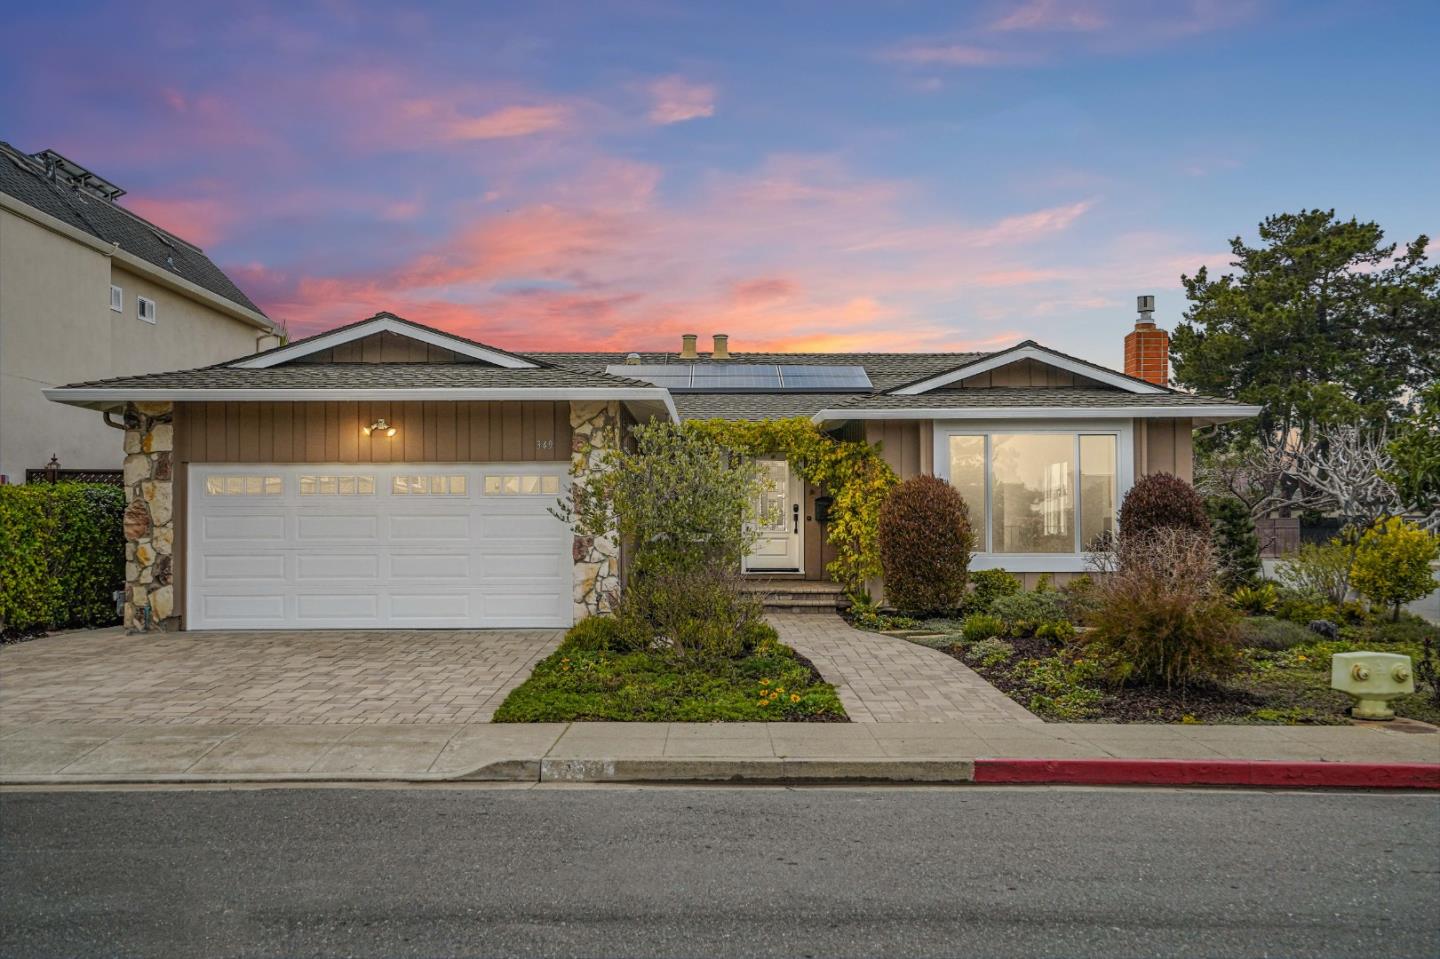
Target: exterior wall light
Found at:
x=379, y=426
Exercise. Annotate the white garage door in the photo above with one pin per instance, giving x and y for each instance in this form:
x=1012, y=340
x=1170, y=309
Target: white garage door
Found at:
x=347, y=546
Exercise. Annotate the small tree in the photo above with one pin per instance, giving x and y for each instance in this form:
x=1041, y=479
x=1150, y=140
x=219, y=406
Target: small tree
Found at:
x=1236, y=544
x=925, y=543
x=1392, y=564
x=1320, y=570
x=1162, y=501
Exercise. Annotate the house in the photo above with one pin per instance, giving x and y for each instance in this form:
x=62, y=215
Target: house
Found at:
x=389, y=475
x=89, y=289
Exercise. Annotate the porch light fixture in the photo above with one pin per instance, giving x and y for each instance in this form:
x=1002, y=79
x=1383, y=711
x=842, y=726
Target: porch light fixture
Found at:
x=379, y=426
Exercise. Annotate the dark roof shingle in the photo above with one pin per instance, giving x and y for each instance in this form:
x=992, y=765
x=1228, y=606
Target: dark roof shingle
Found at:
x=24, y=179
x=365, y=376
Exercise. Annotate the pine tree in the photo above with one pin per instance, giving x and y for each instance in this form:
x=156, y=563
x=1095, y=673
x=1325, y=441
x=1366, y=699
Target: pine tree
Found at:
x=1233, y=531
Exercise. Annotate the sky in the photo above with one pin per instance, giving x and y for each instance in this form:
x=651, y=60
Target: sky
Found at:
x=832, y=176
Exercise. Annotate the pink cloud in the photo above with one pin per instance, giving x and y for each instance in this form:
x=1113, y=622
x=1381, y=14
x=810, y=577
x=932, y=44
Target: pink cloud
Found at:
x=202, y=221
x=954, y=55
x=508, y=122
x=1051, y=15
x=675, y=100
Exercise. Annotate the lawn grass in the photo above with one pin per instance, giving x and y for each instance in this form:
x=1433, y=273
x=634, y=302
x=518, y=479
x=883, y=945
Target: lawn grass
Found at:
x=576, y=684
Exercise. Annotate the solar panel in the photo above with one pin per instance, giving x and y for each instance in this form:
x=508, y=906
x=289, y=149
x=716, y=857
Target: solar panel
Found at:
x=746, y=377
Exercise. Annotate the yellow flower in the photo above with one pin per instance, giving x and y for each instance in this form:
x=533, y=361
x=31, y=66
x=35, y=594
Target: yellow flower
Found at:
x=764, y=702
x=773, y=694
x=794, y=697
x=779, y=689
x=1303, y=659
x=764, y=682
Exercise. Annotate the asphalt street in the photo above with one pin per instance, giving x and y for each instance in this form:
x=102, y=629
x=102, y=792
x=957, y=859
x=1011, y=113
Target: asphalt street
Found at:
x=832, y=872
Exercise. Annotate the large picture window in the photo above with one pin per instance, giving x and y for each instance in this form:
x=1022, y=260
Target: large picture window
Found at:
x=1037, y=492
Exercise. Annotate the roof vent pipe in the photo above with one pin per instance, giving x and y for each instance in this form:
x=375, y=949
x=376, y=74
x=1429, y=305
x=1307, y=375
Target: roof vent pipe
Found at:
x=722, y=347
x=687, y=346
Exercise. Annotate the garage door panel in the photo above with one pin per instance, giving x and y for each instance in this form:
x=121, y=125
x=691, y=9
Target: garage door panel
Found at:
x=348, y=567
x=439, y=553
x=243, y=526
x=433, y=566
x=314, y=526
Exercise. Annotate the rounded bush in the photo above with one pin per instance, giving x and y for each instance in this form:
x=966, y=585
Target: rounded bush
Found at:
x=1162, y=501
x=925, y=542
x=988, y=585
x=596, y=634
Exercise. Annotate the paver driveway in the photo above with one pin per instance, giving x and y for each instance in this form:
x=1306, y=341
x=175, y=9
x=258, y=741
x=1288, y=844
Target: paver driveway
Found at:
x=306, y=677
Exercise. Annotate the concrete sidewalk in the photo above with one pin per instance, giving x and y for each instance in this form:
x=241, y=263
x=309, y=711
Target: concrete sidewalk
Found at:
x=618, y=752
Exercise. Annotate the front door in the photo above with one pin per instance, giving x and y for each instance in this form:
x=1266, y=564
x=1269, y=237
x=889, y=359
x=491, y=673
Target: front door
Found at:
x=778, y=523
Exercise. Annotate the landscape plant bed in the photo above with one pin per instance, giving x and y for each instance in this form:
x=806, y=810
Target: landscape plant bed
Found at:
x=1287, y=687
x=773, y=684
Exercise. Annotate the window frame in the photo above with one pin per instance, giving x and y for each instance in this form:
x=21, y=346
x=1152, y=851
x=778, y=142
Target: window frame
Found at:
x=1078, y=561
x=154, y=316
x=117, y=299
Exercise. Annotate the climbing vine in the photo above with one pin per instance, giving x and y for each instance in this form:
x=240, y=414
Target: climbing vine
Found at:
x=852, y=472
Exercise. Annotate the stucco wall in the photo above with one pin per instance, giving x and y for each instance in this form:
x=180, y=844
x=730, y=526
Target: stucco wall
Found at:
x=56, y=327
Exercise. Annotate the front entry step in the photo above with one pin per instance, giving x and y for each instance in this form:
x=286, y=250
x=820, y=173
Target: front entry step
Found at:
x=797, y=595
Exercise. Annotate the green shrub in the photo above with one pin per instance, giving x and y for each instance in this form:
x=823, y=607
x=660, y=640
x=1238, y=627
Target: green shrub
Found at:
x=1080, y=599
x=988, y=585
x=1257, y=600
x=1162, y=501
x=1320, y=570
x=1023, y=613
x=990, y=652
x=1392, y=564
x=1273, y=635
x=978, y=626
x=698, y=610
x=596, y=634
x=1163, y=618
x=62, y=555
x=925, y=542
x=1301, y=608
x=1233, y=530
x=1059, y=630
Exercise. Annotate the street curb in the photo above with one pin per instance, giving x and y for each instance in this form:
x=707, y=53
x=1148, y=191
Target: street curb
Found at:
x=758, y=770
x=1204, y=772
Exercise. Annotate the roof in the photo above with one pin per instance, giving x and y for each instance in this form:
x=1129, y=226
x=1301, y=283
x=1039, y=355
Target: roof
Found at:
x=886, y=370
x=363, y=376
x=755, y=406
x=384, y=320
x=1014, y=397
x=24, y=179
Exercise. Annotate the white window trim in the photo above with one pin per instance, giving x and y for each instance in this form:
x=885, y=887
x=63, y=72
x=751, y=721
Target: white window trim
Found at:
x=1122, y=430
x=117, y=299
x=154, y=316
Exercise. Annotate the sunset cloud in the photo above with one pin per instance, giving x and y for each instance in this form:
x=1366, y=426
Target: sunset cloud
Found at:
x=675, y=100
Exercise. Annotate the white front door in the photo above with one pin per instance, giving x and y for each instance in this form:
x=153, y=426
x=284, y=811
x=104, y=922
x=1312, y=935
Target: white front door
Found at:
x=368, y=546
x=780, y=547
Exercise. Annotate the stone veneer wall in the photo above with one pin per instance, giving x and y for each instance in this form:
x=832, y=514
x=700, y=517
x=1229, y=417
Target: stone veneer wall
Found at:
x=149, y=518
x=596, y=429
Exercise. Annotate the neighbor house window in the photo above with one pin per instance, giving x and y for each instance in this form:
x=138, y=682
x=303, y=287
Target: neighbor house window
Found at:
x=117, y=298
x=145, y=308
x=1037, y=492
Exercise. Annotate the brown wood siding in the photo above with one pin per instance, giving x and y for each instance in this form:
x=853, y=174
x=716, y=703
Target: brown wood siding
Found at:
x=426, y=432
x=385, y=347
x=900, y=444
x=1026, y=372
x=1165, y=446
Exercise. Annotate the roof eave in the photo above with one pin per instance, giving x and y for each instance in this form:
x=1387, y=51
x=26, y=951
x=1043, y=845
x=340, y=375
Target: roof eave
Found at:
x=1205, y=415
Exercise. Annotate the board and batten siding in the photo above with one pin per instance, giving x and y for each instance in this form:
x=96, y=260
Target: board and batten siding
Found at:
x=1026, y=372
x=331, y=432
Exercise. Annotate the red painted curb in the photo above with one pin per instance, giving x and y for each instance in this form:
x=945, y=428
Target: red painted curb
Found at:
x=1204, y=772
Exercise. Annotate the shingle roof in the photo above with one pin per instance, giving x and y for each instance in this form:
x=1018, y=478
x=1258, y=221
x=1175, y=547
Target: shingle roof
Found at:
x=885, y=369
x=1012, y=396
x=25, y=180
x=385, y=315
x=365, y=376
x=754, y=406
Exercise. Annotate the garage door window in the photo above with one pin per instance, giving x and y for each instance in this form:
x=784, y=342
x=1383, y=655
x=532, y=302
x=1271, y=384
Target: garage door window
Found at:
x=521, y=485
x=337, y=485
x=439, y=484
x=244, y=486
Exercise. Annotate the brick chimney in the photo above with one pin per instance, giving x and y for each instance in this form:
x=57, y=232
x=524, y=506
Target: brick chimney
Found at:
x=1147, y=347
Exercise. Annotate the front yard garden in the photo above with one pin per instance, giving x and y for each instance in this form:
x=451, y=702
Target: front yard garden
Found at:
x=1176, y=625
x=682, y=643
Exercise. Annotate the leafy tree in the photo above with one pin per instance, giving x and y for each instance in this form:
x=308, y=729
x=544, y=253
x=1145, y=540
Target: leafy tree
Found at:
x=1238, y=547
x=1392, y=564
x=1321, y=323
x=1415, y=454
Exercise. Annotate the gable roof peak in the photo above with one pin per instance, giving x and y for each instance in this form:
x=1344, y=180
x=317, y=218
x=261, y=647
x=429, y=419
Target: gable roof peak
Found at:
x=1029, y=349
x=387, y=322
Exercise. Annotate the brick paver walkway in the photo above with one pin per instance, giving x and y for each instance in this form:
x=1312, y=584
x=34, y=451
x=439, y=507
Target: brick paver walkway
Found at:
x=320, y=677
x=882, y=679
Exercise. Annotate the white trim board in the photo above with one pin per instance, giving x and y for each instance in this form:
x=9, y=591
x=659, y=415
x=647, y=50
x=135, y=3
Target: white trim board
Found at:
x=1039, y=354
x=1218, y=414
x=384, y=324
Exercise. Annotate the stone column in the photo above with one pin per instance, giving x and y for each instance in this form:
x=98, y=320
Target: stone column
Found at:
x=149, y=518
x=595, y=429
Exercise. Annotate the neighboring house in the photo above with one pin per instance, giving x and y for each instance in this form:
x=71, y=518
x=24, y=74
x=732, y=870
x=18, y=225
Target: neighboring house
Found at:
x=89, y=290
x=386, y=474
